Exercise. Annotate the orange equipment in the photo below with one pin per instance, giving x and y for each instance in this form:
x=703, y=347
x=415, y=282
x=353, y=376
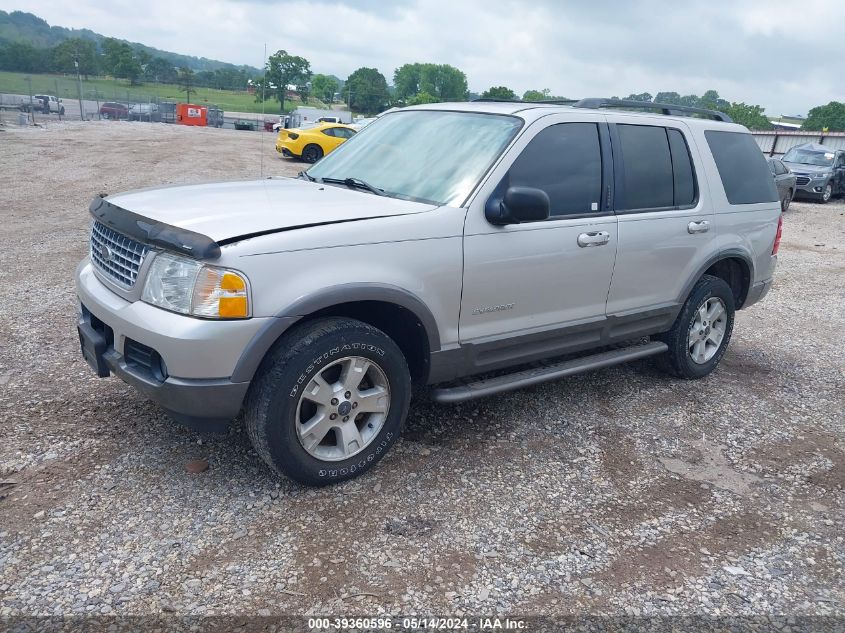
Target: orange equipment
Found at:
x=190, y=114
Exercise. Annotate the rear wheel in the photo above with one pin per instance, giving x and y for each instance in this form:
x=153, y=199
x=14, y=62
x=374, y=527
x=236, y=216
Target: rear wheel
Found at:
x=312, y=153
x=784, y=203
x=329, y=401
x=701, y=333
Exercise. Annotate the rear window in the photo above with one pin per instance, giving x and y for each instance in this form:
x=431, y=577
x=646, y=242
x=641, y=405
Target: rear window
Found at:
x=742, y=168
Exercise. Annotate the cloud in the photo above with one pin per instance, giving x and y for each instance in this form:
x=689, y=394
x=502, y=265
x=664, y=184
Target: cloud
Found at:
x=747, y=50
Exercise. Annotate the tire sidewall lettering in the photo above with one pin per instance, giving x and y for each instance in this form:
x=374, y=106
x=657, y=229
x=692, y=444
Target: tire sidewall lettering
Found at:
x=333, y=473
x=322, y=359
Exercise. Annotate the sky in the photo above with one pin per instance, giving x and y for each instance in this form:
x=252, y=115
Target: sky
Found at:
x=787, y=56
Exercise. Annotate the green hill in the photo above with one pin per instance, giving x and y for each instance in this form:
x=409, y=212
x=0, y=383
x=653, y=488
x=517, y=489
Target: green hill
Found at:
x=25, y=28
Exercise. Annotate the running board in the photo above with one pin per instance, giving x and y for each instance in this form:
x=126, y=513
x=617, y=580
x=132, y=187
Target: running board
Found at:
x=537, y=375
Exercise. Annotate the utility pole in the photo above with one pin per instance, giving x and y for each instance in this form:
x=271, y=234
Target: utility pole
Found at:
x=56, y=84
x=79, y=90
x=31, y=106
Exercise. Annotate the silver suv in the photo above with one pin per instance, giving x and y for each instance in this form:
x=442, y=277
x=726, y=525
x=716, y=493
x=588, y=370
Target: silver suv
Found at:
x=472, y=247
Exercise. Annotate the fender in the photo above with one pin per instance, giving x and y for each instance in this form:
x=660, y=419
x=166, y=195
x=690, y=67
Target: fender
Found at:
x=731, y=253
x=325, y=298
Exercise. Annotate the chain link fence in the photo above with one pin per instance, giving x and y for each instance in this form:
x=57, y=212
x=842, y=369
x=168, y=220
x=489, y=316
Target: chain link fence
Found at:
x=97, y=105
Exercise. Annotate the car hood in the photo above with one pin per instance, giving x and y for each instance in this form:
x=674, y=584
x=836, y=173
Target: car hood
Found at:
x=227, y=211
x=801, y=168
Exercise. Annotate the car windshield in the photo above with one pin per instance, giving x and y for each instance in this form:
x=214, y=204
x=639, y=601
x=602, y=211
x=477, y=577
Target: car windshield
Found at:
x=809, y=157
x=425, y=155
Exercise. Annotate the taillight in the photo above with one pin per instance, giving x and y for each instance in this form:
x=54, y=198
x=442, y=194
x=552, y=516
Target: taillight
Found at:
x=778, y=236
x=293, y=135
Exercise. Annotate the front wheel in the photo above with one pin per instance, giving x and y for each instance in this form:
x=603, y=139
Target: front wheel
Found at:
x=700, y=335
x=784, y=203
x=827, y=193
x=329, y=401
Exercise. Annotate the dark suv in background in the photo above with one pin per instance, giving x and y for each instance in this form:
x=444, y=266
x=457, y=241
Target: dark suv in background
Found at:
x=784, y=180
x=819, y=170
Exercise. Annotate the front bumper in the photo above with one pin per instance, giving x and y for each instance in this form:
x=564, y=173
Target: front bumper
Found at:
x=191, y=360
x=806, y=186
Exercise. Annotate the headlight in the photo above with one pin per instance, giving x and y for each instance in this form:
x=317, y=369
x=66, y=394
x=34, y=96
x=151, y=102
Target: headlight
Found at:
x=186, y=286
x=821, y=176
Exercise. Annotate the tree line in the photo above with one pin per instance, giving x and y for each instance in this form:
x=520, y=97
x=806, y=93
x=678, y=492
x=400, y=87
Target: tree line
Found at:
x=366, y=90
x=115, y=58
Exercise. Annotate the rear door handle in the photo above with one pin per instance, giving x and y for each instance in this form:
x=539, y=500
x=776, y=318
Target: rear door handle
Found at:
x=594, y=238
x=701, y=226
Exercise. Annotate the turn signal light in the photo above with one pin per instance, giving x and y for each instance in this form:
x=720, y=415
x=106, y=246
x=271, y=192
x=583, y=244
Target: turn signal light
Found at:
x=220, y=294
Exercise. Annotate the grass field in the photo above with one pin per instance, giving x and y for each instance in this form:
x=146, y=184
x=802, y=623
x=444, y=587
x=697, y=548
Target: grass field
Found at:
x=120, y=90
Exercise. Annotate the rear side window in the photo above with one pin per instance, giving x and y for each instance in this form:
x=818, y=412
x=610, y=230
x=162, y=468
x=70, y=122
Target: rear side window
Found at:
x=648, y=179
x=658, y=170
x=742, y=167
x=564, y=160
x=684, y=176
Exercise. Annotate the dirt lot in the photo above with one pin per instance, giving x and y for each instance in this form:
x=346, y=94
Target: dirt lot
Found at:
x=618, y=492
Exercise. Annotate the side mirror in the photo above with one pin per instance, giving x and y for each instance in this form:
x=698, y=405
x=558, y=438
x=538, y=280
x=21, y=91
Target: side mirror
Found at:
x=520, y=204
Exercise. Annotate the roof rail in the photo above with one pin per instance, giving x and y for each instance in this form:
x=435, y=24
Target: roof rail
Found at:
x=664, y=108
x=549, y=101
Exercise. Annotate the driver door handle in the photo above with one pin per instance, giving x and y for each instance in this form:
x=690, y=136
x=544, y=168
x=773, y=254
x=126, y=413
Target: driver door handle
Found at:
x=701, y=226
x=593, y=238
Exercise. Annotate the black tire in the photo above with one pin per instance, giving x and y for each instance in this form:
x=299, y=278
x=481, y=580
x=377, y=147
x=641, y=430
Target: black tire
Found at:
x=312, y=153
x=678, y=360
x=62, y=111
x=271, y=411
x=784, y=203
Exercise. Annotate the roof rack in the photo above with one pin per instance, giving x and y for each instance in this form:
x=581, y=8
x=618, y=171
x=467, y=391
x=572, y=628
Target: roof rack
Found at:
x=549, y=101
x=663, y=108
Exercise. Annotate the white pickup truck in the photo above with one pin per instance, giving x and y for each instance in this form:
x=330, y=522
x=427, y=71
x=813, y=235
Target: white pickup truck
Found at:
x=45, y=104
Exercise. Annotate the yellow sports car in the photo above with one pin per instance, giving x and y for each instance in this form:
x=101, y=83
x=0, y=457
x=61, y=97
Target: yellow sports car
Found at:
x=312, y=144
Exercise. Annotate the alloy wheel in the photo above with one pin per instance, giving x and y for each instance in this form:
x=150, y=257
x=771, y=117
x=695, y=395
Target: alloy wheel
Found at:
x=342, y=408
x=707, y=330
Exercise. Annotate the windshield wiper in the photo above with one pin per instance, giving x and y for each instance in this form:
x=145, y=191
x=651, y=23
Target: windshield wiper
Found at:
x=303, y=173
x=355, y=183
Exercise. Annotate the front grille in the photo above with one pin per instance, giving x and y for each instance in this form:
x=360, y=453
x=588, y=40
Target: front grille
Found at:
x=802, y=180
x=115, y=255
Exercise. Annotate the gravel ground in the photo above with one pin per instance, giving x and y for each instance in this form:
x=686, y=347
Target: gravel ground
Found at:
x=618, y=492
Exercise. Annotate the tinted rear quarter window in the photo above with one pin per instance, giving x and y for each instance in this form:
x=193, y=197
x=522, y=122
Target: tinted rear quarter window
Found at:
x=742, y=167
